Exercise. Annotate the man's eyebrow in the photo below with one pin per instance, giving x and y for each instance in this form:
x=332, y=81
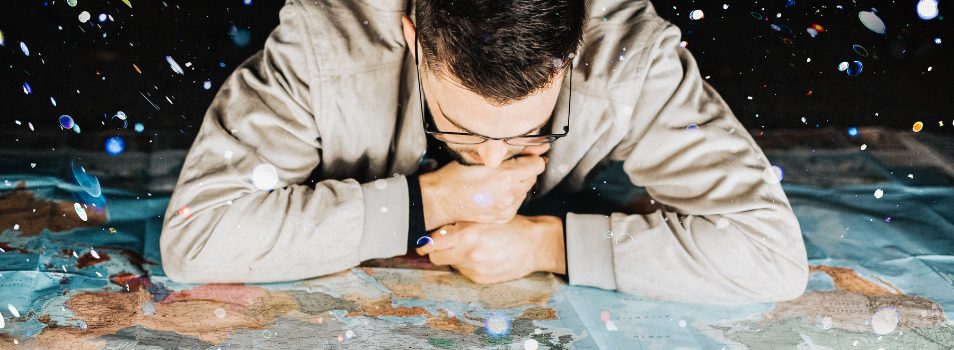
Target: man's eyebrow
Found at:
x=448, y=117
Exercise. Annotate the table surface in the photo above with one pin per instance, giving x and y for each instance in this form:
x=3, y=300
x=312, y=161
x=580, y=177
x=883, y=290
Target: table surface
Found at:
x=881, y=277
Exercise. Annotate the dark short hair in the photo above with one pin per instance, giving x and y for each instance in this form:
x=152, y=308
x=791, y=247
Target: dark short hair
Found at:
x=503, y=50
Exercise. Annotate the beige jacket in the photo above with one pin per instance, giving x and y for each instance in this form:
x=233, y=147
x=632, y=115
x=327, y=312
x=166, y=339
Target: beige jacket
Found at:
x=331, y=103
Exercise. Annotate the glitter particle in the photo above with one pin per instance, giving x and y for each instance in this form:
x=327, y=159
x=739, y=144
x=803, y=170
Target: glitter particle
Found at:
x=66, y=122
x=885, y=321
x=175, y=66
x=696, y=15
x=872, y=22
x=265, y=177
x=424, y=240
x=80, y=211
x=927, y=9
x=115, y=145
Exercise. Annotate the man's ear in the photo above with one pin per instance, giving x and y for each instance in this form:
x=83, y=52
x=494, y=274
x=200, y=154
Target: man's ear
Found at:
x=409, y=31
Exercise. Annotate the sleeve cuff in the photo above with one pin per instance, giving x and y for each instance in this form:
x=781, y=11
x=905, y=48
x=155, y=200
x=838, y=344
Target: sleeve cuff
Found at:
x=589, y=253
x=385, y=218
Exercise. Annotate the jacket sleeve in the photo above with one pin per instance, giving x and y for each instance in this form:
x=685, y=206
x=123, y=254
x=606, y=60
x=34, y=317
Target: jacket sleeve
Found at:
x=241, y=211
x=726, y=233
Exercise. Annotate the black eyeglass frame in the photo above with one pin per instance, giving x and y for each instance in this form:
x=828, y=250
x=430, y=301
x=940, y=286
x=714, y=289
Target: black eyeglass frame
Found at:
x=550, y=137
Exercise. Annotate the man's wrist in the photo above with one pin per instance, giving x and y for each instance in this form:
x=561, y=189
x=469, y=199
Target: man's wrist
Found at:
x=553, y=248
x=433, y=217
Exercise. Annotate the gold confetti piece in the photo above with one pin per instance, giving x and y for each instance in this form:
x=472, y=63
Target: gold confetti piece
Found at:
x=917, y=127
x=127, y=3
x=137, y=68
x=112, y=230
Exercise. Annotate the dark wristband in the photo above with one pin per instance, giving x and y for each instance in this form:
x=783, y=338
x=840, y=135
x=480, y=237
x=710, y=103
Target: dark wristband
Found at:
x=416, y=228
x=566, y=260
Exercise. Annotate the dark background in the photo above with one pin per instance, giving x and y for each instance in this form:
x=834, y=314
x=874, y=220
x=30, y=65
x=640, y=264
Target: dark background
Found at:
x=88, y=68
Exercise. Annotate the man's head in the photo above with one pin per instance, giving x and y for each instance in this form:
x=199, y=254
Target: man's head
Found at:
x=494, y=67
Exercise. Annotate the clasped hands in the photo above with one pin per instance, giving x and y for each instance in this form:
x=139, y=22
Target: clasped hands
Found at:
x=470, y=214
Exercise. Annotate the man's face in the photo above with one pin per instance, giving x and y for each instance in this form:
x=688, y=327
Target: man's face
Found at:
x=456, y=109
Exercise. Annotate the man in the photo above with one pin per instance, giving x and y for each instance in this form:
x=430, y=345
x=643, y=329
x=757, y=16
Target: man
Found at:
x=313, y=156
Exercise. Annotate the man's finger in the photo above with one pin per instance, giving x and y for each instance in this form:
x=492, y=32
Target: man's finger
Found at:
x=440, y=239
x=446, y=257
x=528, y=166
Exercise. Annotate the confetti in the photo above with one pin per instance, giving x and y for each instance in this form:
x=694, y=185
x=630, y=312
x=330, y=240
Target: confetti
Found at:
x=531, y=344
x=175, y=66
x=185, y=212
x=864, y=147
x=860, y=50
x=115, y=145
x=93, y=253
x=482, y=199
x=2, y=40
x=826, y=323
x=696, y=15
x=424, y=240
x=66, y=122
x=852, y=131
x=13, y=310
x=611, y=326
x=722, y=223
x=102, y=17
x=220, y=313
x=89, y=183
x=872, y=22
x=72, y=3
x=80, y=211
x=137, y=68
x=692, y=128
x=497, y=326
x=443, y=232
x=207, y=85
x=265, y=177
x=27, y=89
x=112, y=230
x=927, y=9
x=885, y=321
x=772, y=175
x=878, y=193
x=240, y=36
x=139, y=127
x=83, y=17
x=682, y=323
x=267, y=333
x=127, y=3
x=349, y=334
x=917, y=126
x=854, y=68
x=24, y=48
x=380, y=184
x=843, y=66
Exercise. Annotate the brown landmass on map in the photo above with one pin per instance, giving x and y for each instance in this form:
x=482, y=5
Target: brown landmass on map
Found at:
x=22, y=207
x=190, y=313
x=854, y=301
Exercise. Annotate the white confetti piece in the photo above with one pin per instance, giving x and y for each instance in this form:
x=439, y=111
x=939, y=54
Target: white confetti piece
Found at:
x=93, y=253
x=265, y=177
x=80, y=211
x=13, y=310
x=175, y=66
x=878, y=193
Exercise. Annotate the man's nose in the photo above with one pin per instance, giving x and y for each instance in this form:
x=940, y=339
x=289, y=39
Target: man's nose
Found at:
x=492, y=152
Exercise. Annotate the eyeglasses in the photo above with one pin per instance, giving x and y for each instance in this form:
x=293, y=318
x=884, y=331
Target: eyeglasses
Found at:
x=468, y=138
